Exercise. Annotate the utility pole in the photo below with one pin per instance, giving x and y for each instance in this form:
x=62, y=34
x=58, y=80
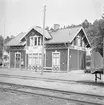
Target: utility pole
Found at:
x=103, y=55
x=44, y=14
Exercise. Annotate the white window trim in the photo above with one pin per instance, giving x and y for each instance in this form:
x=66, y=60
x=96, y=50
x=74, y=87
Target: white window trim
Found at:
x=34, y=40
x=15, y=60
x=38, y=63
x=59, y=58
x=30, y=41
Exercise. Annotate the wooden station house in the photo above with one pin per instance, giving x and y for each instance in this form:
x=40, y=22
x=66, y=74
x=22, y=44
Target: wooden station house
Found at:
x=64, y=49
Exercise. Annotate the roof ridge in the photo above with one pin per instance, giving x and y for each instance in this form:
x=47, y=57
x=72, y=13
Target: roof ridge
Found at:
x=64, y=28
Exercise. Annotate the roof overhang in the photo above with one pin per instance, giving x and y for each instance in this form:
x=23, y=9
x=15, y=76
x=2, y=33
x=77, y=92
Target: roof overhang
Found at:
x=84, y=34
x=39, y=30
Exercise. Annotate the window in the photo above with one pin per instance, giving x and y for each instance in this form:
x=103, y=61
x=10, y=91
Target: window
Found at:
x=31, y=41
x=39, y=41
x=40, y=59
x=83, y=44
x=78, y=41
x=17, y=57
x=75, y=41
x=56, y=61
x=35, y=41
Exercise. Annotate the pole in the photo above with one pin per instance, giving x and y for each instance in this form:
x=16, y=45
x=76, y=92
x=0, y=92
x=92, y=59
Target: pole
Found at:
x=103, y=55
x=26, y=55
x=44, y=14
x=68, y=58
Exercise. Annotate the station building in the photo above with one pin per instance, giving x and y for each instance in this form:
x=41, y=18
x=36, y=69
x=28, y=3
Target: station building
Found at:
x=64, y=49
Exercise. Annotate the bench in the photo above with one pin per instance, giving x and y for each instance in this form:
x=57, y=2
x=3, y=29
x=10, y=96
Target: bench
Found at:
x=47, y=69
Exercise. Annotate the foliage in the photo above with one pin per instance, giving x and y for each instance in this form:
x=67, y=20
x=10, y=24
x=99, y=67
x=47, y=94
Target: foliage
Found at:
x=1, y=46
x=95, y=34
x=7, y=39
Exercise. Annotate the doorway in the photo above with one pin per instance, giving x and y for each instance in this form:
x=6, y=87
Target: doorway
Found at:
x=17, y=60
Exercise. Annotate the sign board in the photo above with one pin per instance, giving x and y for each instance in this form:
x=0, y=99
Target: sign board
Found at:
x=34, y=49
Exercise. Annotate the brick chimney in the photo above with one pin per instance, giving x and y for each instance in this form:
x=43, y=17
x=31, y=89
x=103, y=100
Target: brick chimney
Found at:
x=56, y=27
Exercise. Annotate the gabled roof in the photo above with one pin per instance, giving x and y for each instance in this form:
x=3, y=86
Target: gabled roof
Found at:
x=16, y=41
x=40, y=30
x=59, y=36
x=66, y=35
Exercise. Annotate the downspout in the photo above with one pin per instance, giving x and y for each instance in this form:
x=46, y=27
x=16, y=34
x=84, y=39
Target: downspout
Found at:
x=68, y=58
x=25, y=55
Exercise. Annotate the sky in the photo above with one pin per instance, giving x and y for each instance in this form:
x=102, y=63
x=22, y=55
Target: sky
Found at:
x=20, y=15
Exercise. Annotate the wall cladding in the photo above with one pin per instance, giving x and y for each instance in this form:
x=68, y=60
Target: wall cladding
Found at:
x=63, y=58
x=77, y=60
x=49, y=58
x=12, y=59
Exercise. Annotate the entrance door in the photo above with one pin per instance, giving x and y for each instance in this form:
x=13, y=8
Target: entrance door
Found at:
x=30, y=61
x=56, y=61
x=17, y=60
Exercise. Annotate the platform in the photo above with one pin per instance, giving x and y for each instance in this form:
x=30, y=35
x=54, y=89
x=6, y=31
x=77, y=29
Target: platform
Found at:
x=77, y=82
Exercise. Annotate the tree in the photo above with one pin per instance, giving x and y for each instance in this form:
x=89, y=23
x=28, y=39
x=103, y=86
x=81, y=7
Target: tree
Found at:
x=86, y=24
x=7, y=39
x=95, y=34
x=1, y=46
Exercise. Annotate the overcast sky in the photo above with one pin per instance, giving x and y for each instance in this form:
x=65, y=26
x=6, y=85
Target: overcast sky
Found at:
x=21, y=15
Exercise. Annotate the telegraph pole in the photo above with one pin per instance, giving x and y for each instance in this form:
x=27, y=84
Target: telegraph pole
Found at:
x=103, y=55
x=44, y=14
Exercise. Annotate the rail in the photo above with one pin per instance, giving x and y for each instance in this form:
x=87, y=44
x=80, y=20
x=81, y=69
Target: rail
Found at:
x=81, y=98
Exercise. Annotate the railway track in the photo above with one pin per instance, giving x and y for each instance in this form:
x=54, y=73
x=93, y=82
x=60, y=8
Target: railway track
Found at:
x=36, y=78
x=80, y=98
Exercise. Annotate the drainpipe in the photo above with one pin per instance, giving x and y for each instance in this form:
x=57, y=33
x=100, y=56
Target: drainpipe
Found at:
x=68, y=59
x=78, y=58
x=25, y=55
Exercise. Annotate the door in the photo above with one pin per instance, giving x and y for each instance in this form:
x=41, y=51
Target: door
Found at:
x=56, y=61
x=17, y=60
x=30, y=61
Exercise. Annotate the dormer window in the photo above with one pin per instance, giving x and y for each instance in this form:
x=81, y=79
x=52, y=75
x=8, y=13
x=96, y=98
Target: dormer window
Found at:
x=35, y=41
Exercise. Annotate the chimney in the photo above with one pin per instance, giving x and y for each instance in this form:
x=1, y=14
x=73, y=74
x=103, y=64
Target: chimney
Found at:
x=56, y=27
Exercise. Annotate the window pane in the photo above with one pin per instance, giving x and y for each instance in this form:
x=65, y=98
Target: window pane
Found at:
x=31, y=41
x=39, y=41
x=35, y=41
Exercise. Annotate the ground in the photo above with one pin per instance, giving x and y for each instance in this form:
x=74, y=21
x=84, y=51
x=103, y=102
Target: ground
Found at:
x=15, y=98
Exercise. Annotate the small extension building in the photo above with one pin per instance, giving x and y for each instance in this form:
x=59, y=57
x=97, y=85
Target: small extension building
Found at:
x=64, y=49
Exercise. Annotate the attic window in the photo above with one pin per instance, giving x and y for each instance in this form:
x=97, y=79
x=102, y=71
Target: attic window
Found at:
x=35, y=41
x=31, y=41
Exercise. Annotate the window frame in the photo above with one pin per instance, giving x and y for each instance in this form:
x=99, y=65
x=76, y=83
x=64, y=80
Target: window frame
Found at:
x=37, y=41
x=54, y=58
